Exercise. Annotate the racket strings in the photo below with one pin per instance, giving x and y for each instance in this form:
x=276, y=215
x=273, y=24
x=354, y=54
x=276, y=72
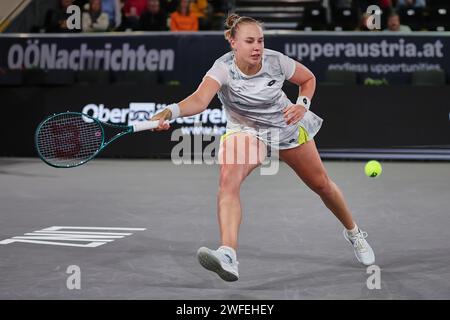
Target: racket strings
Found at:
x=68, y=140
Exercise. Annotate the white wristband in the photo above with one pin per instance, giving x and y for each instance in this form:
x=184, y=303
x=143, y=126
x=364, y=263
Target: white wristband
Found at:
x=174, y=109
x=304, y=101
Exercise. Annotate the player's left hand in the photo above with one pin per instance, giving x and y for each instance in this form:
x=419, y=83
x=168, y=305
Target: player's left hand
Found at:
x=294, y=113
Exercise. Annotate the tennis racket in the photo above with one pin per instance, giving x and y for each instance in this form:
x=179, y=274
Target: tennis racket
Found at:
x=70, y=139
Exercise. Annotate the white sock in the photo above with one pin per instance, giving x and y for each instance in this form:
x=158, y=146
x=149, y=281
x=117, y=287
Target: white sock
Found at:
x=230, y=251
x=353, y=231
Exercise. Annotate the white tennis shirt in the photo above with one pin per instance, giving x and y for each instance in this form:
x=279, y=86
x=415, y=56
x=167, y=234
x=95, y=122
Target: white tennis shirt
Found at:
x=257, y=101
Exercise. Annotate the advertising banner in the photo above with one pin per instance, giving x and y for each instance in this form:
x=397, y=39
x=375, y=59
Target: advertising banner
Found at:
x=389, y=58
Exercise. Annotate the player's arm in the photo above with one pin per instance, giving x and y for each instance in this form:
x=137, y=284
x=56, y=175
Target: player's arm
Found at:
x=196, y=103
x=306, y=81
x=200, y=99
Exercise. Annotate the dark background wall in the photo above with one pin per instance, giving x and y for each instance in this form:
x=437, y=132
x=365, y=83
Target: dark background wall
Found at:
x=354, y=116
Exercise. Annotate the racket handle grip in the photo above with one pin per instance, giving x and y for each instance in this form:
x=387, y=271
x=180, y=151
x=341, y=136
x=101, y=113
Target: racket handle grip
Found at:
x=145, y=125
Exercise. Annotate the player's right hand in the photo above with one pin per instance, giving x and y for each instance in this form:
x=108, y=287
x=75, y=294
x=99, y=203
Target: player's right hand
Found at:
x=162, y=117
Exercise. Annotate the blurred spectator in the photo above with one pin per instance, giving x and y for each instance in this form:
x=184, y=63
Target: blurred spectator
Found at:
x=383, y=4
x=56, y=19
x=386, y=7
x=183, y=19
x=94, y=19
x=401, y=4
x=363, y=23
x=131, y=11
x=134, y=8
x=219, y=12
x=154, y=19
x=201, y=9
x=112, y=9
x=393, y=23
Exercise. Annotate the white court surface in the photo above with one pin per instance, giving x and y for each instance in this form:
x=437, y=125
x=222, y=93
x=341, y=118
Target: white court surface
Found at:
x=291, y=246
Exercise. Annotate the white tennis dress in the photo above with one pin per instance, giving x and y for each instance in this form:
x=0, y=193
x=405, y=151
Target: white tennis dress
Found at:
x=255, y=103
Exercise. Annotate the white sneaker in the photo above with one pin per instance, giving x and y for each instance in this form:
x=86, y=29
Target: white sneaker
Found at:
x=363, y=251
x=221, y=261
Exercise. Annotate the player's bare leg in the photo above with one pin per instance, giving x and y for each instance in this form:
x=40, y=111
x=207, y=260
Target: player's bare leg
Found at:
x=236, y=163
x=239, y=154
x=306, y=163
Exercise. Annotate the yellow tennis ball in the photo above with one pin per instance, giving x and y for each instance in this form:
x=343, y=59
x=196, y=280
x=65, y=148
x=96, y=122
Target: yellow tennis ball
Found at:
x=373, y=169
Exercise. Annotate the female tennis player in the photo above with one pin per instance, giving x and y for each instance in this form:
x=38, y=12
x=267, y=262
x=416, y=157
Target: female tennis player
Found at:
x=248, y=81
